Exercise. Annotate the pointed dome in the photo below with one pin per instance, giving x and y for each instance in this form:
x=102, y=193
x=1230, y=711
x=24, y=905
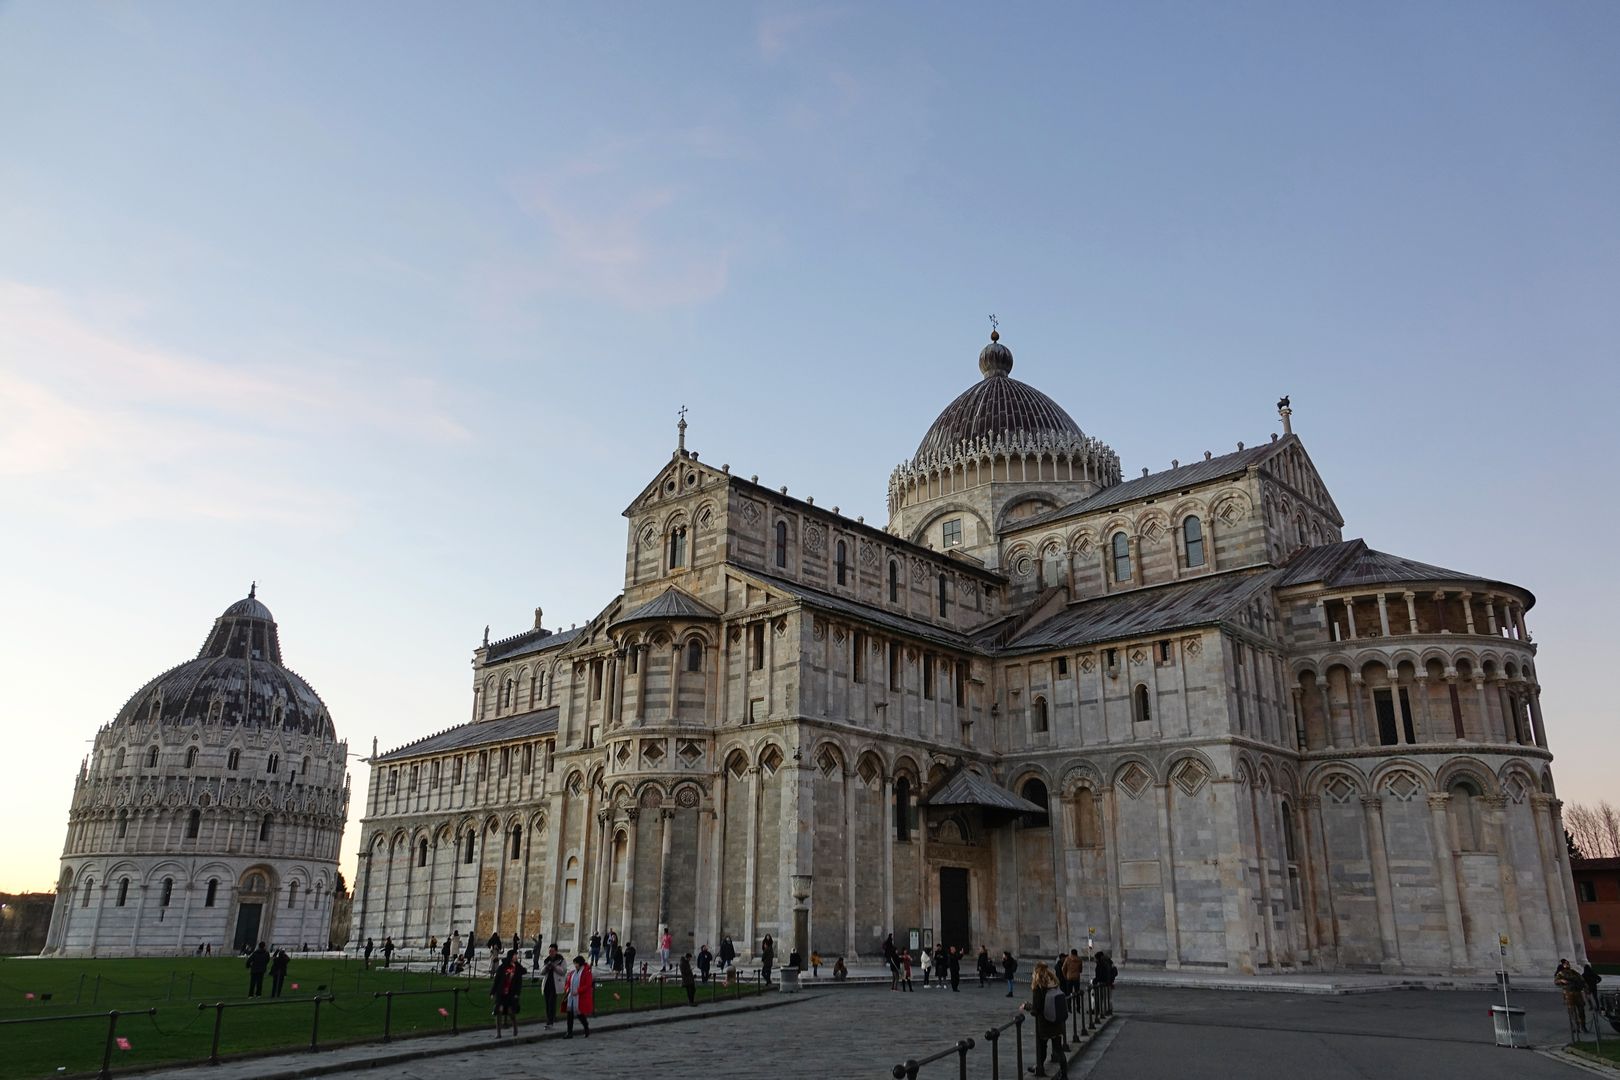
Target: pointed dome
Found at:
x=997, y=405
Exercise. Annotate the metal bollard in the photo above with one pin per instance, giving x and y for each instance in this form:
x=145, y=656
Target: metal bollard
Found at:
x=388, y=1014
x=455, y=1009
x=962, y=1048
x=993, y=1037
x=315, y=1025
x=106, y=1053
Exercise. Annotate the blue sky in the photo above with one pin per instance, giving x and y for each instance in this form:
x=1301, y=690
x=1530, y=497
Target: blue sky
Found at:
x=390, y=306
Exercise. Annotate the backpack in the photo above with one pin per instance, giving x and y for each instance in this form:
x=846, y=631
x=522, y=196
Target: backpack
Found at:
x=1055, y=1007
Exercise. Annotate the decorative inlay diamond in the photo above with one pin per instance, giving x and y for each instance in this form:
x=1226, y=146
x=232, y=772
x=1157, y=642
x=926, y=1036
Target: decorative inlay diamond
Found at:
x=1190, y=776
x=1339, y=790
x=652, y=751
x=1403, y=786
x=622, y=754
x=1135, y=780
x=751, y=512
x=690, y=752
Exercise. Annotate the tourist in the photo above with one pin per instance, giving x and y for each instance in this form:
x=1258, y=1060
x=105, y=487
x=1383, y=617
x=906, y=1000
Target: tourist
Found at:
x=630, y=960
x=942, y=965
x=905, y=972
x=925, y=960
x=840, y=972
x=665, y=942
x=367, y=950
x=610, y=943
x=815, y=964
x=387, y=950
x=705, y=959
x=728, y=952
x=1009, y=968
x=767, y=955
x=506, y=992
x=579, y=996
x=208, y=949
x=494, y=947
x=1048, y=1021
x=956, y=970
x=688, y=979
x=257, y=962
x=1574, y=987
x=1073, y=969
x=987, y=966
x=278, y=971
x=596, y=948
x=618, y=958
x=444, y=956
x=889, y=952
x=553, y=973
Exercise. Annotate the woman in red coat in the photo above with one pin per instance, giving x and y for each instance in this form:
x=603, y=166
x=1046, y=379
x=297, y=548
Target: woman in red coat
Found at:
x=580, y=991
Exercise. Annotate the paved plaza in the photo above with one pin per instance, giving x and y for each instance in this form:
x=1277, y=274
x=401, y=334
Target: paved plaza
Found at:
x=1160, y=1032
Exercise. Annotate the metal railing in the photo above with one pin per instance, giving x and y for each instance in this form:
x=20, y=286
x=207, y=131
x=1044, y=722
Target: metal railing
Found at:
x=1086, y=1012
x=112, y=1030
x=219, y=1008
x=388, y=997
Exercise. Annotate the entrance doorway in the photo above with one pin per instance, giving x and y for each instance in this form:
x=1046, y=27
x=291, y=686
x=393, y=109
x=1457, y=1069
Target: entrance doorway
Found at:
x=955, y=914
x=247, y=925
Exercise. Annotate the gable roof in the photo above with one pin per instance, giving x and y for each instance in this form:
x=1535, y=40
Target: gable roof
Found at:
x=968, y=788
x=1141, y=612
x=838, y=605
x=672, y=603
x=478, y=733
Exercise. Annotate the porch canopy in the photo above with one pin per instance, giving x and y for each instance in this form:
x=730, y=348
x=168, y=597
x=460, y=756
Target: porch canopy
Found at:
x=967, y=788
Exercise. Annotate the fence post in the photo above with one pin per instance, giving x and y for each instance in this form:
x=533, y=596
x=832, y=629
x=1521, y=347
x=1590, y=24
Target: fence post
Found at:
x=993, y=1037
x=106, y=1053
x=219, y=1018
x=315, y=1025
x=455, y=1009
x=388, y=1015
x=660, y=991
x=1018, y=1040
x=962, y=1048
x=630, y=990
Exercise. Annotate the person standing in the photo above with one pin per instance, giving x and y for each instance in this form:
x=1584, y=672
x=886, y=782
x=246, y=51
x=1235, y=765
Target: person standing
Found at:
x=257, y=962
x=767, y=954
x=278, y=971
x=728, y=952
x=840, y=970
x=1590, y=979
x=665, y=943
x=630, y=960
x=1074, y=970
x=925, y=960
x=903, y=969
x=705, y=959
x=1567, y=979
x=889, y=952
x=1048, y=1022
x=579, y=992
x=506, y=992
x=494, y=946
x=956, y=970
x=388, y=951
x=942, y=965
x=370, y=945
x=815, y=964
x=553, y=973
x=688, y=979
x=596, y=949
x=1009, y=968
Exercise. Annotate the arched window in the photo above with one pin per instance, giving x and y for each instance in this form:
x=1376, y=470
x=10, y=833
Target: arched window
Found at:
x=264, y=827
x=894, y=582
x=421, y=853
x=677, y=547
x=1464, y=814
x=123, y=824
x=517, y=842
x=292, y=895
x=274, y=764
x=1192, y=533
x=467, y=855
x=902, y=809
x=123, y=891
x=213, y=892
x=841, y=562
x=1037, y=715
x=1034, y=790
x=1122, y=557
x=694, y=655
x=943, y=602
x=193, y=824
x=151, y=757
x=119, y=763
x=1142, y=707
x=1085, y=819
x=168, y=892
x=191, y=758
x=88, y=883
x=781, y=543
x=233, y=759
x=303, y=769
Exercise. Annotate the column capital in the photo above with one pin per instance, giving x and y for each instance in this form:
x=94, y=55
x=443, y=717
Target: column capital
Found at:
x=1541, y=800
x=1311, y=802
x=666, y=814
x=633, y=813
x=1409, y=595
x=1495, y=802
x=1438, y=800
x=1373, y=802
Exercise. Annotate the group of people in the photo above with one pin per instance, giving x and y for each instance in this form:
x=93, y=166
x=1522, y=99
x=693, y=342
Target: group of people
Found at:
x=574, y=986
x=262, y=960
x=1577, y=987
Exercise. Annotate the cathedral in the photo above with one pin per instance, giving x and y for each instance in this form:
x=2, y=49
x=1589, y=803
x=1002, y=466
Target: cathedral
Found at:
x=210, y=810
x=1176, y=715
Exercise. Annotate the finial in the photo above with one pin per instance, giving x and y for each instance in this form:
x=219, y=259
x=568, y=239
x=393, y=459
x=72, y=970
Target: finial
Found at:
x=253, y=590
x=680, y=443
x=1286, y=411
x=995, y=327
x=486, y=635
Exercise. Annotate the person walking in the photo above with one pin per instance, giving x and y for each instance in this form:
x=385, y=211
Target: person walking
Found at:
x=987, y=966
x=815, y=964
x=388, y=951
x=278, y=971
x=688, y=979
x=370, y=945
x=257, y=962
x=1570, y=982
x=889, y=953
x=494, y=947
x=630, y=960
x=553, y=973
x=1590, y=978
x=956, y=970
x=1009, y=968
x=596, y=949
x=579, y=996
x=767, y=955
x=1050, y=1008
x=705, y=959
x=665, y=942
x=444, y=956
x=1074, y=970
x=506, y=992
x=728, y=952
x=903, y=968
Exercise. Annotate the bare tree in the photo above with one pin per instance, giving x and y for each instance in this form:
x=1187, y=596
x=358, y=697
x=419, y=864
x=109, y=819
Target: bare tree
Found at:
x=1595, y=829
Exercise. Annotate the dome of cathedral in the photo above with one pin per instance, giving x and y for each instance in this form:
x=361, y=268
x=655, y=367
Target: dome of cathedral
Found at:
x=236, y=680
x=996, y=406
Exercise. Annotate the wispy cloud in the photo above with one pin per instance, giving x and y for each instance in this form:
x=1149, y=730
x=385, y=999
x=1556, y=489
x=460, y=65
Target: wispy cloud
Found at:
x=107, y=426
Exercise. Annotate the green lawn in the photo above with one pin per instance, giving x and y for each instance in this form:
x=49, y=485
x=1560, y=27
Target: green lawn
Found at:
x=180, y=1031
x=1611, y=1049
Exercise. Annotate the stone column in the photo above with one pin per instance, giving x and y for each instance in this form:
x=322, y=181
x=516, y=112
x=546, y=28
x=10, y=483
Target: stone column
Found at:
x=1490, y=617
x=1238, y=906
x=1110, y=809
x=1549, y=845
x=1501, y=842
x=886, y=816
x=604, y=871
x=1446, y=860
x=1358, y=725
x=666, y=817
x=850, y=780
x=717, y=910
x=1533, y=694
x=801, y=916
x=1383, y=614
x=1167, y=882
x=1350, y=616
x=1572, y=911
x=1468, y=610
x=1411, y=610
x=1398, y=708
x=751, y=868
x=1263, y=869
x=1373, y=808
x=633, y=817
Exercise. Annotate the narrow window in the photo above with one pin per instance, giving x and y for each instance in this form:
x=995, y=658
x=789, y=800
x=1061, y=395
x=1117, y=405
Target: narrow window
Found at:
x=467, y=852
x=274, y=764
x=841, y=563
x=421, y=853
x=1122, y=558
x=1143, y=711
x=1384, y=705
x=694, y=655
x=951, y=533
x=88, y=884
x=264, y=827
x=483, y=765
x=517, y=842
x=233, y=760
x=635, y=659
x=756, y=646
x=528, y=758
x=894, y=665
x=596, y=680
x=1192, y=533
x=292, y=895
x=781, y=543
x=677, y=547
x=123, y=891
x=894, y=582
x=1289, y=851
x=943, y=602
x=857, y=656
x=928, y=676
x=902, y=810
x=1062, y=666
x=393, y=781
x=505, y=760
x=212, y=894
x=433, y=776
x=1085, y=818
x=304, y=768
x=455, y=770
x=1164, y=652
x=551, y=755
x=1463, y=814
x=1035, y=791
x=151, y=757
x=119, y=763
x=1112, y=657
x=416, y=776
x=123, y=824
x=193, y=824
x=961, y=684
x=1038, y=719
x=191, y=758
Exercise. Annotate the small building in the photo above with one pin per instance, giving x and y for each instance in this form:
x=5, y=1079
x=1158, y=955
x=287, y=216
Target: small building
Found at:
x=1597, y=894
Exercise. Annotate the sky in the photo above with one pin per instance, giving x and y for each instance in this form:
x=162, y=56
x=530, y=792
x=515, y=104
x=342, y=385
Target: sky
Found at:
x=390, y=306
